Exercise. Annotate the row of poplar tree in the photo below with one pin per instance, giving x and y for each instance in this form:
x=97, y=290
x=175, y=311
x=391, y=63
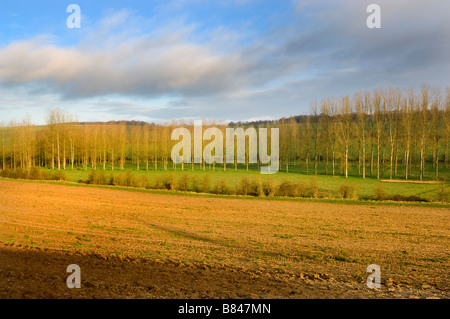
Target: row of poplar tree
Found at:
x=386, y=131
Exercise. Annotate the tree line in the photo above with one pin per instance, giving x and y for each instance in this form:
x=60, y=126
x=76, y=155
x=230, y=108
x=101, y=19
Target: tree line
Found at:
x=378, y=131
x=385, y=131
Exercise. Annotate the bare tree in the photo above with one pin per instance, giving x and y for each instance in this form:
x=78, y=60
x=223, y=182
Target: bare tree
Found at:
x=72, y=134
x=423, y=125
x=294, y=139
x=447, y=125
x=334, y=132
x=345, y=120
x=154, y=143
x=284, y=142
x=146, y=144
x=378, y=124
x=316, y=135
x=136, y=144
x=361, y=107
x=306, y=141
x=393, y=107
x=407, y=111
x=436, y=111
x=122, y=142
x=3, y=136
x=325, y=128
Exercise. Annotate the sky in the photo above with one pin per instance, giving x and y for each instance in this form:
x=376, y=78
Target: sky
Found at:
x=234, y=60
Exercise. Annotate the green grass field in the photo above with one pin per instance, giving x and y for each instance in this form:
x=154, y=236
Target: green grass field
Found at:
x=328, y=185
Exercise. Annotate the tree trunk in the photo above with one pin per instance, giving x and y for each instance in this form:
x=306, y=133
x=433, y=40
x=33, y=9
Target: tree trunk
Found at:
x=437, y=160
x=64, y=155
x=333, y=165
x=315, y=165
x=446, y=155
x=371, y=160
x=346, y=161
x=392, y=162
x=112, y=160
x=422, y=161
x=53, y=155
x=378, y=157
x=364, y=160
x=57, y=146
x=307, y=164
x=72, y=155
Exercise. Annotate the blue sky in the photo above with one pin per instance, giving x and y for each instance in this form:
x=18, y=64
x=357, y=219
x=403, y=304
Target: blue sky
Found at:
x=24, y=19
x=223, y=60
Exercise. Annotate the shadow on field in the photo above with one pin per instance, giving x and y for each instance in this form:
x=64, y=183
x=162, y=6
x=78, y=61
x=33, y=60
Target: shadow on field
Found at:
x=227, y=244
x=33, y=273
x=193, y=236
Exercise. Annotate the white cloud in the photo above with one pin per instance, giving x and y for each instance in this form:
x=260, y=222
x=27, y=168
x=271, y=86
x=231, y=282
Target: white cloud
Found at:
x=139, y=66
x=176, y=71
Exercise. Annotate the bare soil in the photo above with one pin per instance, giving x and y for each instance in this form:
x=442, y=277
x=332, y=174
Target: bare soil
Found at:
x=138, y=245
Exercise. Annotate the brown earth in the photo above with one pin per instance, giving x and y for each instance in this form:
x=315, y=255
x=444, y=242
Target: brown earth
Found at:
x=142, y=245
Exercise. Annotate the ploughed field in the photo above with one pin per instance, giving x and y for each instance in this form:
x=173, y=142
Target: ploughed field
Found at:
x=143, y=245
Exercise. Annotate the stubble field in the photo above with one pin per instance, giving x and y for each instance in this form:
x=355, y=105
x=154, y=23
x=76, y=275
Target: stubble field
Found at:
x=144, y=245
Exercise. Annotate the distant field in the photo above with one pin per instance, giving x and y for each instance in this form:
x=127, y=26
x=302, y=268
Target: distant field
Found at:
x=328, y=184
x=265, y=248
